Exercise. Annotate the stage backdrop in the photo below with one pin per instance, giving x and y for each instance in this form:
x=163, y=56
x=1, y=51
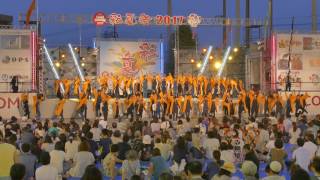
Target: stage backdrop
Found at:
x=130, y=58
x=305, y=65
x=305, y=61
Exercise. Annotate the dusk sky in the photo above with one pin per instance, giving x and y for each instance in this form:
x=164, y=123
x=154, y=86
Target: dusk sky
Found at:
x=62, y=34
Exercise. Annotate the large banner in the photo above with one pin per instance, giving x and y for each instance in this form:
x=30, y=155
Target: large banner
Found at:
x=10, y=105
x=17, y=54
x=129, y=58
x=15, y=62
x=305, y=61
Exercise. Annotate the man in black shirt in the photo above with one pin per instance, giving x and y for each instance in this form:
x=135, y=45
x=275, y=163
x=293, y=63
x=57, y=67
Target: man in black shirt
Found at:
x=124, y=147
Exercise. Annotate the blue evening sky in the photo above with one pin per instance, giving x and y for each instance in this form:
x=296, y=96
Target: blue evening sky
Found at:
x=62, y=34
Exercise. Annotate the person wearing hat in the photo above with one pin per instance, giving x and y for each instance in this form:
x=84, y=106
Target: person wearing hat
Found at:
x=249, y=170
x=226, y=171
x=273, y=170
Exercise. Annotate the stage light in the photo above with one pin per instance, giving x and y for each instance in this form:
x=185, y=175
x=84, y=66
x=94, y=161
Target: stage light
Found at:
x=224, y=61
x=161, y=49
x=235, y=49
x=76, y=63
x=206, y=58
x=55, y=73
x=57, y=64
x=204, y=50
x=83, y=64
x=76, y=49
x=198, y=65
x=230, y=58
x=211, y=57
x=63, y=55
x=192, y=60
x=217, y=65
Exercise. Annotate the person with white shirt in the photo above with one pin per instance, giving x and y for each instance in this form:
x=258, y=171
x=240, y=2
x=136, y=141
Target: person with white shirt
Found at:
x=270, y=144
x=164, y=147
x=81, y=160
x=210, y=144
x=227, y=154
x=48, y=144
x=310, y=146
x=294, y=133
x=155, y=126
x=287, y=123
x=96, y=131
x=103, y=123
x=57, y=157
x=46, y=171
x=301, y=155
x=71, y=147
x=165, y=124
x=39, y=131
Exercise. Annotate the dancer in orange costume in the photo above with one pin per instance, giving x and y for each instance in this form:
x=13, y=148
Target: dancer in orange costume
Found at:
x=59, y=108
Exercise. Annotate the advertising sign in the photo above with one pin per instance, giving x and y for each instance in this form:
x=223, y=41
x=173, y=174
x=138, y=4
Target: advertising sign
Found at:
x=99, y=19
x=17, y=57
x=129, y=58
x=10, y=105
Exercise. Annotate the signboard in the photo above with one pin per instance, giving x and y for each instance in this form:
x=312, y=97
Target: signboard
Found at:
x=10, y=104
x=17, y=58
x=99, y=19
x=305, y=61
x=129, y=58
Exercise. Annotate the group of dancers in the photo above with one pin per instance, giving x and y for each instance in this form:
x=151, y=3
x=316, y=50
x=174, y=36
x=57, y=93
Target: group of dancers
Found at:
x=159, y=96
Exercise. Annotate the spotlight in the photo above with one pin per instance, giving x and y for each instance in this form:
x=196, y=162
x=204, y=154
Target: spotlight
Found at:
x=217, y=65
x=83, y=64
x=63, y=55
x=235, y=49
x=204, y=50
x=230, y=58
x=83, y=58
x=57, y=64
x=198, y=65
x=211, y=57
x=192, y=60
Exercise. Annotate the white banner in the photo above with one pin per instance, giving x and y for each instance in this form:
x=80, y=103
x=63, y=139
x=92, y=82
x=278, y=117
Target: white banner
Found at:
x=313, y=103
x=15, y=62
x=130, y=58
x=10, y=105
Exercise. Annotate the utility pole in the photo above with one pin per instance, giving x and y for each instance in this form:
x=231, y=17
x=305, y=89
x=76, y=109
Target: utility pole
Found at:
x=248, y=23
x=169, y=42
x=237, y=30
x=270, y=16
x=224, y=31
x=314, y=16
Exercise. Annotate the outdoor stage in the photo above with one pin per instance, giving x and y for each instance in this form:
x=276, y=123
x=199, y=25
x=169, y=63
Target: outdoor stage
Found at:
x=10, y=106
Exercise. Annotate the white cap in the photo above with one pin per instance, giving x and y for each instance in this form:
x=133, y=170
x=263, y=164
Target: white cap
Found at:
x=275, y=166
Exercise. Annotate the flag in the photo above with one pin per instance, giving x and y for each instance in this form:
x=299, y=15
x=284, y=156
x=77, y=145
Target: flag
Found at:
x=29, y=13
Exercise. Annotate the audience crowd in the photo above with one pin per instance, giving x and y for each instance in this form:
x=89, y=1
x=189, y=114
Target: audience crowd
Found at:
x=214, y=148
